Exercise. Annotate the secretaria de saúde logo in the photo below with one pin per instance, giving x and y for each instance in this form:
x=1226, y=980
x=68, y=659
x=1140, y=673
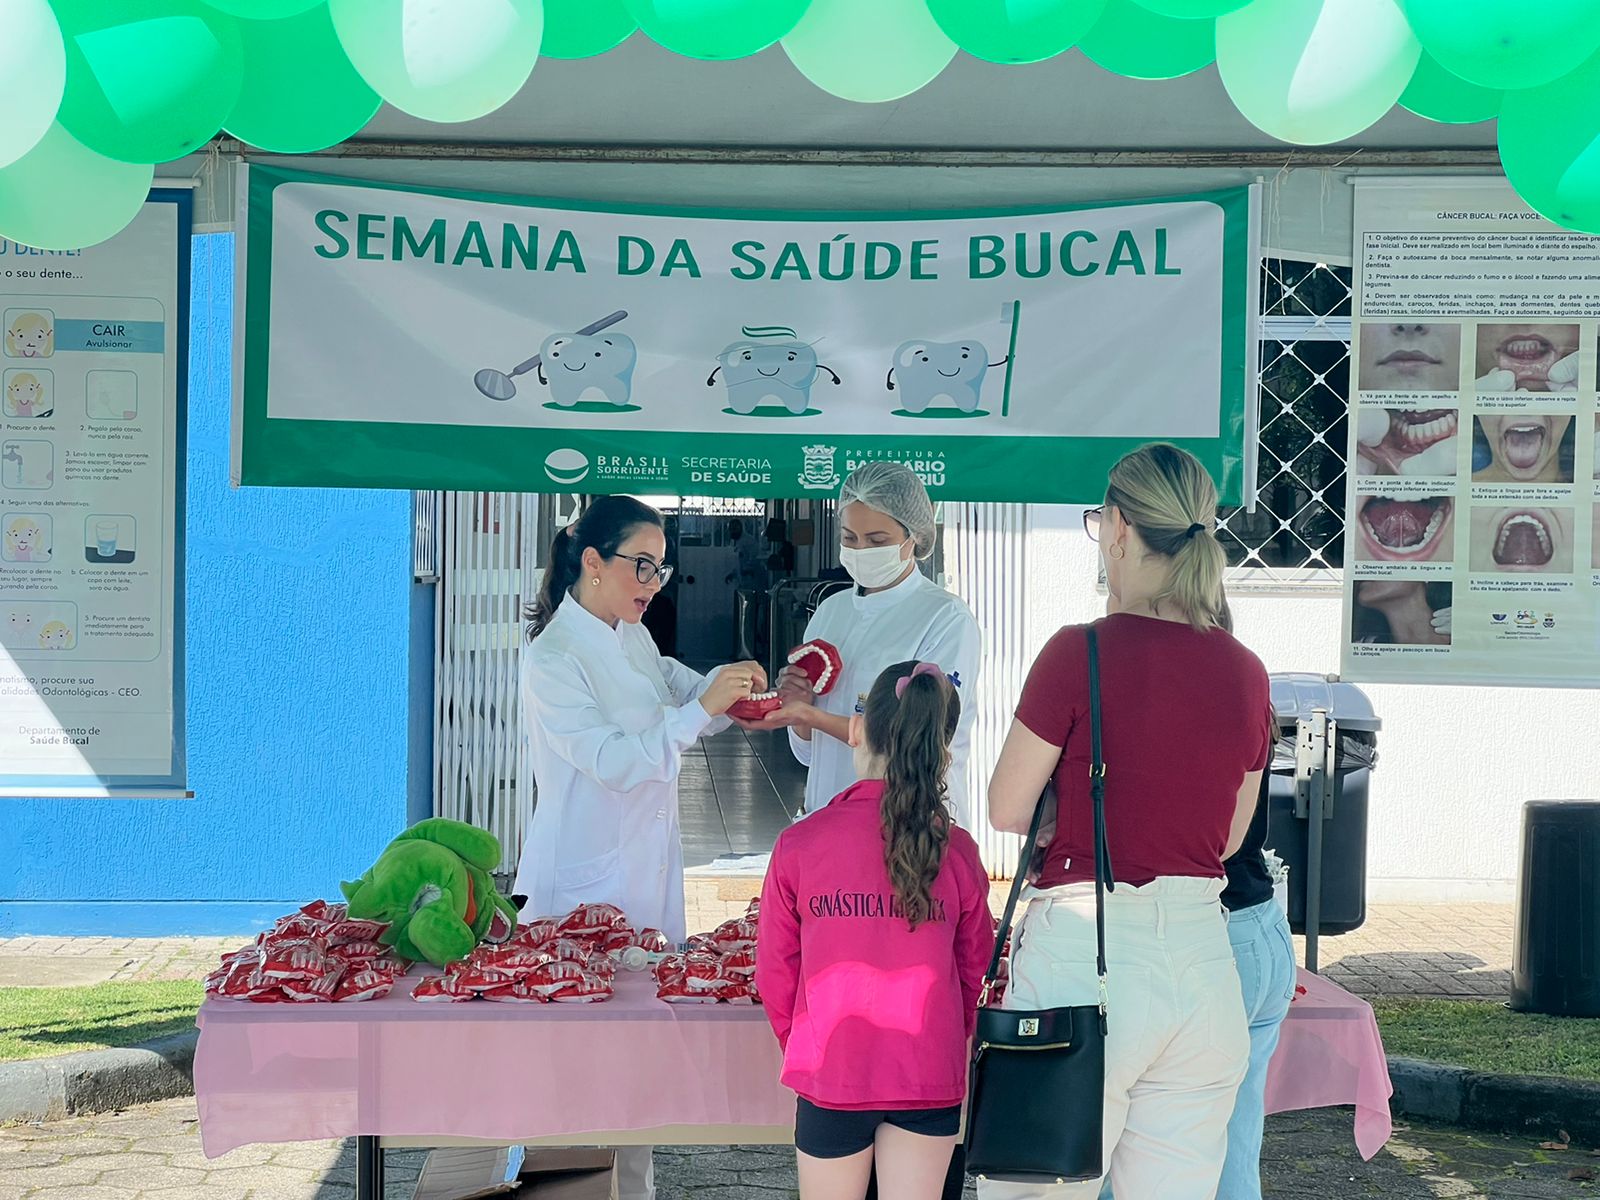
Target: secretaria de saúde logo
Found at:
x=566, y=466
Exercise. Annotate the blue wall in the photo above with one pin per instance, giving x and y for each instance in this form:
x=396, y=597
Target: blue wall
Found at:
x=309, y=666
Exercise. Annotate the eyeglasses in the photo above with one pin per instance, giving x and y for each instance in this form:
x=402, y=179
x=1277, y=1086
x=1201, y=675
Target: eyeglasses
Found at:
x=646, y=569
x=1091, y=522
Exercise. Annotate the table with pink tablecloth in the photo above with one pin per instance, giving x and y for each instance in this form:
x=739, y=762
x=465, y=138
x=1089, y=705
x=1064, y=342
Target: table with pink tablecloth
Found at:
x=1330, y=1053
x=395, y=1068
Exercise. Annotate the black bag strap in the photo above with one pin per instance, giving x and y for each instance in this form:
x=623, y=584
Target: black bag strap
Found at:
x=1103, y=879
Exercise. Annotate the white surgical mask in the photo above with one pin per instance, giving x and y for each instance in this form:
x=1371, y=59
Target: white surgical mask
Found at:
x=877, y=567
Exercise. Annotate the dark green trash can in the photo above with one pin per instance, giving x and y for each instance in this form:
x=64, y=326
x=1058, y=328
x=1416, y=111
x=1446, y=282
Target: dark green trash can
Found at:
x=1555, y=967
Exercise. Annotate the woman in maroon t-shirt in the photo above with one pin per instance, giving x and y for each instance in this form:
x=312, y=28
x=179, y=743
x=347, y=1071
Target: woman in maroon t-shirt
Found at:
x=1187, y=730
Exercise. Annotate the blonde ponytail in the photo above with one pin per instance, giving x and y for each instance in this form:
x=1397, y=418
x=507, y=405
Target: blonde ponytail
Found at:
x=1168, y=496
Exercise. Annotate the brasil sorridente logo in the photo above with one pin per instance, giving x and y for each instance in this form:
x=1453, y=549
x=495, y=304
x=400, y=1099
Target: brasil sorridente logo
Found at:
x=566, y=466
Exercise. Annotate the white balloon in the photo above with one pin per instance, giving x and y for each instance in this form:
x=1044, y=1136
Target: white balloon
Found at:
x=1315, y=71
x=869, y=50
x=33, y=75
x=441, y=60
x=61, y=195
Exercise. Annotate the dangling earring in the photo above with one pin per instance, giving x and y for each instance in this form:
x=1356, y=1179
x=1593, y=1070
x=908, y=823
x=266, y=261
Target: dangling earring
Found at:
x=1115, y=551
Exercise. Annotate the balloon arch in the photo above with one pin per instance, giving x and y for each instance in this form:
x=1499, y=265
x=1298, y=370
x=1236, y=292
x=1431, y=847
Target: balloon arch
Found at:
x=94, y=92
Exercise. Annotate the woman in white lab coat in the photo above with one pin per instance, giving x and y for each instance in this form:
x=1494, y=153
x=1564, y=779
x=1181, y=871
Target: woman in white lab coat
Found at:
x=895, y=613
x=608, y=719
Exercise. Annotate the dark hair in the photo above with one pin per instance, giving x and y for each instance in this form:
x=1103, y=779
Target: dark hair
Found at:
x=605, y=525
x=912, y=733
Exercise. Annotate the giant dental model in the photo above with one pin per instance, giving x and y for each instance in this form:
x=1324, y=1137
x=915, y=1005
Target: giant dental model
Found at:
x=820, y=662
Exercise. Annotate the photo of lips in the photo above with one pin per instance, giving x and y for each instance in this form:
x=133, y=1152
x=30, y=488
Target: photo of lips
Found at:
x=1527, y=358
x=1402, y=441
x=1395, y=530
x=1409, y=357
x=1522, y=540
x=1523, y=448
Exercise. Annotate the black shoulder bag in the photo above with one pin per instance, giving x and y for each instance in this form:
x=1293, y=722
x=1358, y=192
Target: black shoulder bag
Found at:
x=1036, y=1109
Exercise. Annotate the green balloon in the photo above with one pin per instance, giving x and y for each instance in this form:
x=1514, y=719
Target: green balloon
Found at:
x=264, y=10
x=300, y=92
x=1192, y=10
x=716, y=29
x=869, y=51
x=584, y=28
x=1015, y=31
x=33, y=72
x=1133, y=41
x=149, y=82
x=1550, y=147
x=1440, y=96
x=61, y=195
x=441, y=60
x=1503, y=44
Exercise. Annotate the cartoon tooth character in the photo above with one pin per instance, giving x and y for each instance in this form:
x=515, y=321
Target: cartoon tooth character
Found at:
x=25, y=541
x=31, y=335
x=931, y=371
x=25, y=396
x=19, y=626
x=757, y=371
x=578, y=367
x=55, y=636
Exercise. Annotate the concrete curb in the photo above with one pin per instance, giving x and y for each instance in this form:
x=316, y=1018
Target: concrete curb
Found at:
x=1531, y=1104
x=96, y=1081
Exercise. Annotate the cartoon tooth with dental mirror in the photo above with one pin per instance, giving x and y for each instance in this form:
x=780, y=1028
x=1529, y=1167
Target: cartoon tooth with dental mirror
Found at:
x=770, y=364
x=591, y=369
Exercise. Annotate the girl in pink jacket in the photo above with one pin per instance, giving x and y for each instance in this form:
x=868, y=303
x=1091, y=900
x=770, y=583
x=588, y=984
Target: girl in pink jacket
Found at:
x=875, y=932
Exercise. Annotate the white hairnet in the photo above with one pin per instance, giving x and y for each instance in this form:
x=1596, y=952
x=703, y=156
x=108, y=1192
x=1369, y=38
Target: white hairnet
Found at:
x=894, y=490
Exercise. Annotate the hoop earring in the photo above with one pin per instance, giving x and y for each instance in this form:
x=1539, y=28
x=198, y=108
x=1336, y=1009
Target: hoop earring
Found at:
x=595, y=582
x=1115, y=551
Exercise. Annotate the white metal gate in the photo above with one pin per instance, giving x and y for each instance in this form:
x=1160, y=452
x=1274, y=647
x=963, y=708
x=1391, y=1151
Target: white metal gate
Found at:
x=486, y=571
x=985, y=554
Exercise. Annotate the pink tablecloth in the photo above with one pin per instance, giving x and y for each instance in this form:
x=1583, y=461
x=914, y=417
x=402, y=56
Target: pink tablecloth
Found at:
x=393, y=1067
x=1330, y=1054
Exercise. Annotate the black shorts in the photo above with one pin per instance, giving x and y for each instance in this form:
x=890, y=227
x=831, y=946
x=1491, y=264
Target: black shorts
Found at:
x=839, y=1133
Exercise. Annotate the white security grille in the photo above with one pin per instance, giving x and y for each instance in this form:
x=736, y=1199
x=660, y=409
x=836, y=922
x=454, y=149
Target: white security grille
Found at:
x=485, y=574
x=425, y=536
x=985, y=549
x=1296, y=534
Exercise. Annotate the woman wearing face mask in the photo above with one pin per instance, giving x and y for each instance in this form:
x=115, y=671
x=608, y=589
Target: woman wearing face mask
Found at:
x=894, y=613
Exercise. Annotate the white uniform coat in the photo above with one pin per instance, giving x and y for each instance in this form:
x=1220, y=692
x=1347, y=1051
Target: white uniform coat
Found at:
x=915, y=619
x=608, y=719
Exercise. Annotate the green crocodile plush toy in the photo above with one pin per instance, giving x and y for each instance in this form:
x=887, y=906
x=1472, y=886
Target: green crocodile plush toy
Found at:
x=432, y=885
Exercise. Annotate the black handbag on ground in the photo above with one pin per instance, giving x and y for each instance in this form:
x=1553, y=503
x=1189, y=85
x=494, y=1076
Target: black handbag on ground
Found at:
x=1036, y=1105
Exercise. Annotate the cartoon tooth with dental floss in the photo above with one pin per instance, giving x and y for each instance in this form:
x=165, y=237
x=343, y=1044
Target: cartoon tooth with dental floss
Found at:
x=770, y=364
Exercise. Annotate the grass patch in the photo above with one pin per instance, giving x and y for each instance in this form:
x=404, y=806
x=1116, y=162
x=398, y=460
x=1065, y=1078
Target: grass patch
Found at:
x=1490, y=1037
x=36, y=1022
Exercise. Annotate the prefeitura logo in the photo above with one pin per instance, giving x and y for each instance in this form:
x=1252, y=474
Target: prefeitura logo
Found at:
x=819, y=472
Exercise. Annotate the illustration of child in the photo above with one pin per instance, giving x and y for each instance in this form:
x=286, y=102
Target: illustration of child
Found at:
x=31, y=335
x=25, y=396
x=25, y=541
x=55, y=636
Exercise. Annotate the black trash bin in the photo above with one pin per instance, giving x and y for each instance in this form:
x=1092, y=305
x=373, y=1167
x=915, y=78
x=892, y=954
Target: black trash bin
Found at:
x=1296, y=696
x=1555, y=966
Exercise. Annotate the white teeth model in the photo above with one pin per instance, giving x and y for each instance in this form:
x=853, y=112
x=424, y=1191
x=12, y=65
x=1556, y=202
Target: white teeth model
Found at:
x=821, y=683
x=1523, y=519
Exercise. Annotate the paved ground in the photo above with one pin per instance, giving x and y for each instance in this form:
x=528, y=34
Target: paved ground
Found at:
x=153, y=1153
x=1459, y=950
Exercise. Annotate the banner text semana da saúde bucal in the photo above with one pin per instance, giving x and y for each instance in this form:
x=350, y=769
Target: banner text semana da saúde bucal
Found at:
x=415, y=338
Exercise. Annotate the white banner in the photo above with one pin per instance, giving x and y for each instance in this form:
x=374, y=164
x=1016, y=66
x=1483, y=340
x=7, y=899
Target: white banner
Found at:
x=90, y=485
x=1473, y=528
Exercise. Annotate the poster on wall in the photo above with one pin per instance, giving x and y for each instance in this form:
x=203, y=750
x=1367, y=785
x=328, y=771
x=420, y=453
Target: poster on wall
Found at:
x=91, y=486
x=403, y=337
x=1473, y=543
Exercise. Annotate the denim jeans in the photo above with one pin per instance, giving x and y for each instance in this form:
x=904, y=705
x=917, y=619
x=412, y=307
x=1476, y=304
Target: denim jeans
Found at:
x=1264, y=956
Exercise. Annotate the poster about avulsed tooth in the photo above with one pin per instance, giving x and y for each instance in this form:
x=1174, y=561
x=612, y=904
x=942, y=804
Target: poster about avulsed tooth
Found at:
x=1473, y=523
x=407, y=337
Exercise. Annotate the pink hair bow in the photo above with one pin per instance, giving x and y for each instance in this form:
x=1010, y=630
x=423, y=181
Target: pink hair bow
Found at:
x=922, y=668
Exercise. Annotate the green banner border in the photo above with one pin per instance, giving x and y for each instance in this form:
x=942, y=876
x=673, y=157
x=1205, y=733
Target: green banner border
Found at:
x=373, y=454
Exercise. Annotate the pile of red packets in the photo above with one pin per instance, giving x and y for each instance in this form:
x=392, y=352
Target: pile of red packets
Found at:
x=560, y=960
x=316, y=955
x=717, y=967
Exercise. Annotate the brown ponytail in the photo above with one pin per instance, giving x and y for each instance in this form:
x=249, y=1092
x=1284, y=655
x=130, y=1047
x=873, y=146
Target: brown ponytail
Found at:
x=909, y=727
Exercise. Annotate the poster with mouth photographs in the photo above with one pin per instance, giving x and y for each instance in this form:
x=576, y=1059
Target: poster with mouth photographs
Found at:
x=1473, y=521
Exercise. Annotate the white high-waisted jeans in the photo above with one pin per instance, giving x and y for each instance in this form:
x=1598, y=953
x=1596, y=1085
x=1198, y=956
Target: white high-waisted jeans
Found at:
x=1177, y=1042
